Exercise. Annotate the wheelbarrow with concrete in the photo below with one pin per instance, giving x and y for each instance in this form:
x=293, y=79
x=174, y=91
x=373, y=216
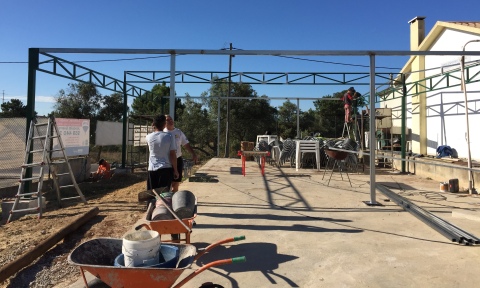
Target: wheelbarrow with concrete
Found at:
x=102, y=258
x=169, y=213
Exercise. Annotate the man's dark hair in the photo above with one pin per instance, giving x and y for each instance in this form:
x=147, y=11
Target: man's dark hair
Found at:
x=159, y=122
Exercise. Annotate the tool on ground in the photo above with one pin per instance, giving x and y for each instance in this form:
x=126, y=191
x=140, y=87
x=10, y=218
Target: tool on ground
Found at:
x=40, y=140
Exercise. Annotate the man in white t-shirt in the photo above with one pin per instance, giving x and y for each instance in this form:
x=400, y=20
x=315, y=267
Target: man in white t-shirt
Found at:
x=162, y=161
x=180, y=140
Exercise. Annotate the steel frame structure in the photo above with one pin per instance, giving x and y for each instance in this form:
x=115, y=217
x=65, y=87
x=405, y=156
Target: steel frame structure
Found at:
x=112, y=84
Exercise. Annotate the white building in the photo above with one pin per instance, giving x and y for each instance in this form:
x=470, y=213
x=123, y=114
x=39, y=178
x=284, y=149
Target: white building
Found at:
x=435, y=100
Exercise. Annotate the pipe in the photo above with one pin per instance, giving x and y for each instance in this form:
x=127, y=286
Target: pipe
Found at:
x=406, y=205
x=464, y=88
x=445, y=228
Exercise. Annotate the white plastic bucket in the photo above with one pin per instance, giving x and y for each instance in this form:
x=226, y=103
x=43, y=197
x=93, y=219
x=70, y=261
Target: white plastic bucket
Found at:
x=141, y=248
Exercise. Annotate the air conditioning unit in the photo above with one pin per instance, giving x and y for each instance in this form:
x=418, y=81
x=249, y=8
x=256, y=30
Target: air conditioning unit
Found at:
x=385, y=122
x=383, y=112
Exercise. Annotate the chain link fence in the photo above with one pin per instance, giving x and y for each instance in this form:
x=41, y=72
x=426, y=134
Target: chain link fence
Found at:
x=12, y=150
x=13, y=134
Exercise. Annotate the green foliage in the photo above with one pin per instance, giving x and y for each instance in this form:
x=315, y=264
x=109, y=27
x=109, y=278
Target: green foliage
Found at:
x=81, y=100
x=247, y=118
x=309, y=122
x=200, y=119
x=200, y=129
x=112, y=109
x=13, y=108
x=154, y=102
x=287, y=120
x=331, y=115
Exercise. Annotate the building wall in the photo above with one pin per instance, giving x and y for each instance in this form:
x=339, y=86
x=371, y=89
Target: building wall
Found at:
x=445, y=110
x=446, y=122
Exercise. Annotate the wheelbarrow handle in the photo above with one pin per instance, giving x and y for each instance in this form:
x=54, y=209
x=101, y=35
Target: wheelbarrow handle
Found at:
x=211, y=246
x=240, y=259
x=143, y=225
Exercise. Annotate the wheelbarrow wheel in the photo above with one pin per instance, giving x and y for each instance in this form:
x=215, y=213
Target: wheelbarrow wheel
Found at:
x=211, y=285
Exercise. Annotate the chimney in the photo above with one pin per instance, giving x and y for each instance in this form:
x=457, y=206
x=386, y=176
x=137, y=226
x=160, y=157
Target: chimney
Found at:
x=417, y=32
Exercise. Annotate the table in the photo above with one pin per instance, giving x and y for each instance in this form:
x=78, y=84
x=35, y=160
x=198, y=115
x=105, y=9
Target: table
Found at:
x=245, y=154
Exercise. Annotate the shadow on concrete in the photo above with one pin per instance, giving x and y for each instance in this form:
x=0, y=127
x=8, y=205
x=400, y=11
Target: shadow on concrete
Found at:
x=294, y=227
x=261, y=257
x=236, y=170
x=272, y=217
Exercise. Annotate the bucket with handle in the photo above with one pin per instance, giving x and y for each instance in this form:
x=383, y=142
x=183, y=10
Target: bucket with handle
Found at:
x=443, y=186
x=160, y=212
x=183, y=203
x=168, y=258
x=141, y=248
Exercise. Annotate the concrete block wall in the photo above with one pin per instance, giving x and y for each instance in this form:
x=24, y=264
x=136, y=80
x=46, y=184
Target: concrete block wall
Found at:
x=425, y=167
x=80, y=167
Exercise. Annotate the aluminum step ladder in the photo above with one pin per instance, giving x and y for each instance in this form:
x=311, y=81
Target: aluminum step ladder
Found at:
x=346, y=128
x=40, y=141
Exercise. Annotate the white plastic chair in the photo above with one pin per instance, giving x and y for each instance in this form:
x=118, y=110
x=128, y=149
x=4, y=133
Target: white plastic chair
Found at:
x=307, y=146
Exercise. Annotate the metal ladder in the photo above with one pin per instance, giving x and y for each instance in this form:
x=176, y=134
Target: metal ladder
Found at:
x=35, y=136
x=356, y=132
x=347, y=129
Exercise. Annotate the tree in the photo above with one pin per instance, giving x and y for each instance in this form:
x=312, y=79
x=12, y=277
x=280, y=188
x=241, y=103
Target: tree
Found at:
x=155, y=102
x=81, y=100
x=309, y=122
x=287, y=120
x=331, y=114
x=201, y=131
x=112, y=108
x=14, y=108
x=248, y=117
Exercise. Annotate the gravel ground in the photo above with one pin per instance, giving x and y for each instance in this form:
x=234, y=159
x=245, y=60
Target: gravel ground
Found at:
x=117, y=200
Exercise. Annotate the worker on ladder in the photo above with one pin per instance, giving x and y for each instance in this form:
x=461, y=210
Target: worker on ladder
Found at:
x=348, y=98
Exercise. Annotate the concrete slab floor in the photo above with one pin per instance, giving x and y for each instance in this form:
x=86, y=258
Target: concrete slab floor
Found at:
x=302, y=233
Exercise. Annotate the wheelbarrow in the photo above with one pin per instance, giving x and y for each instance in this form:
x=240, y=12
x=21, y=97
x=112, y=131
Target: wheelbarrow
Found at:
x=182, y=227
x=164, y=227
x=97, y=256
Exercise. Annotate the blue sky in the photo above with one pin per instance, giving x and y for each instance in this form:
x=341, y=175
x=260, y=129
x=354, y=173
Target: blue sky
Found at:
x=247, y=24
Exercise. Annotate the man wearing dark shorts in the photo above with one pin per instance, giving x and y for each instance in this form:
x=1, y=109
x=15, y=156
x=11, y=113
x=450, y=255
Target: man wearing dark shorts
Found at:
x=162, y=162
x=180, y=140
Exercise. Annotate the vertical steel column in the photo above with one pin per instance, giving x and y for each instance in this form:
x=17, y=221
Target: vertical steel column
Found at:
x=229, y=94
x=298, y=118
x=125, y=122
x=372, y=140
x=33, y=63
x=464, y=88
x=172, y=86
x=404, y=123
x=218, y=129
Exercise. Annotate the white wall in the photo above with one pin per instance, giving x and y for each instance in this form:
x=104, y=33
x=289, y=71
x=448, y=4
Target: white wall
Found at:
x=446, y=123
